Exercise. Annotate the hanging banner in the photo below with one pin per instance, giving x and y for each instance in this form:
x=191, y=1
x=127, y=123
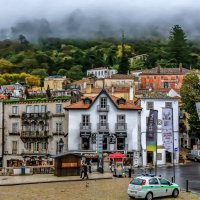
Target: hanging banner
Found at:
x=167, y=128
x=151, y=132
x=198, y=109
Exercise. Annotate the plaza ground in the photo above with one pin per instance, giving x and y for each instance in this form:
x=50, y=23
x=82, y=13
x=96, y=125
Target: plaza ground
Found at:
x=104, y=189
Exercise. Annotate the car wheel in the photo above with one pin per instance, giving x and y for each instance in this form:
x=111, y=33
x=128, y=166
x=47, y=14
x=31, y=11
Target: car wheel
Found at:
x=131, y=197
x=175, y=193
x=149, y=196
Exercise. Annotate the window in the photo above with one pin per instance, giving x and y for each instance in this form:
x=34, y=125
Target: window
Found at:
x=176, y=78
x=147, y=84
x=162, y=77
x=150, y=105
x=147, y=77
x=103, y=102
x=121, y=119
x=43, y=108
x=27, y=145
x=15, y=127
x=123, y=82
x=58, y=108
x=153, y=181
x=168, y=104
x=103, y=120
x=36, y=109
x=14, y=147
x=105, y=143
x=85, y=120
x=155, y=77
x=36, y=146
x=164, y=181
x=120, y=143
x=154, y=85
x=59, y=127
x=15, y=110
x=169, y=78
x=44, y=146
x=28, y=109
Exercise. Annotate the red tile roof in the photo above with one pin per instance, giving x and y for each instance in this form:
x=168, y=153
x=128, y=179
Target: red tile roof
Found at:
x=129, y=105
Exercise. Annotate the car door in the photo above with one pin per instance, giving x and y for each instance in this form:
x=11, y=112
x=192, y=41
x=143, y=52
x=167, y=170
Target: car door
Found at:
x=166, y=188
x=154, y=186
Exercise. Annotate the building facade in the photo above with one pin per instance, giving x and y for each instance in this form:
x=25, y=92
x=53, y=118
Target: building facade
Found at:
x=157, y=102
x=32, y=131
x=101, y=72
x=115, y=119
x=55, y=82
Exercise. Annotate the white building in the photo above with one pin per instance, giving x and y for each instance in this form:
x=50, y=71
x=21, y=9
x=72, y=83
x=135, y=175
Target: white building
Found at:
x=157, y=102
x=115, y=119
x=101, y=72
x=32, y=131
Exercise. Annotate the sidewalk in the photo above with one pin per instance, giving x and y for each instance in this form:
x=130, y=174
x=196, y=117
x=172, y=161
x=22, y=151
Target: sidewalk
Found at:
x=47, y=178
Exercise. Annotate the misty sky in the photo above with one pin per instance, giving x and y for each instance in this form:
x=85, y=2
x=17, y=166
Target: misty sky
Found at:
x=87, y=17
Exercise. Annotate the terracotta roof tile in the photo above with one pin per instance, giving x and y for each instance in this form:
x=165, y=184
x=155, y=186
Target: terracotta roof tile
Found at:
x=129, y=105
x=120, y=76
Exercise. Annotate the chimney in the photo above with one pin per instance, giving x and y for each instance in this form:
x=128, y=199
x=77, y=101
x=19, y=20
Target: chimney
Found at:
x=158, y=71
x=180, y=68
x=88, y=88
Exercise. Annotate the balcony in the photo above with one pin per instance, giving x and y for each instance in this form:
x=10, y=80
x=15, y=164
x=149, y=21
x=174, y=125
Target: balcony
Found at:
x=85, y=127
x=33, y=152
x=36, y=116
x=14, y=133
x=102, y=127
x=120, y=127
x=103, y=108
x=34, y=134
x=14, y=116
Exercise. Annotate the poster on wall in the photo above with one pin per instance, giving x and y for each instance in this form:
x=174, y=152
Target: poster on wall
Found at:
x=198, y=109
x=151, y=131
x=167, y=128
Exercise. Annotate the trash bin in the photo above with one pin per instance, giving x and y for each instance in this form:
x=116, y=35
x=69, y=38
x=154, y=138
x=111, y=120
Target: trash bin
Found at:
x=23, y=171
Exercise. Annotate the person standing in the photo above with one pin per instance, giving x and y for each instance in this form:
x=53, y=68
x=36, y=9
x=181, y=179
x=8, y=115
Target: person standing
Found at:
x=82, y=171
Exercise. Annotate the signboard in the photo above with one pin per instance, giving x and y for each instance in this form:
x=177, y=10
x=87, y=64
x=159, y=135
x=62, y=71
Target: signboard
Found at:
x=121, y=134
x=167, y=128
x=198, y=109
x=112, y=139
x=151, y=131
x=85, y=134
x=93, y=138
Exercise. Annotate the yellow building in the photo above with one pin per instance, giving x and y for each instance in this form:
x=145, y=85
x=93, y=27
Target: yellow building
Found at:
x=55, y=82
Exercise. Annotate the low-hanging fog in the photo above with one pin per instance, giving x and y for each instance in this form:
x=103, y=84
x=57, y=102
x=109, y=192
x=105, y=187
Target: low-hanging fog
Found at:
x=97, y=18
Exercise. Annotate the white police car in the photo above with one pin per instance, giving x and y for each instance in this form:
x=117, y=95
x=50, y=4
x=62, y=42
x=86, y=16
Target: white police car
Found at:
x=149, y=186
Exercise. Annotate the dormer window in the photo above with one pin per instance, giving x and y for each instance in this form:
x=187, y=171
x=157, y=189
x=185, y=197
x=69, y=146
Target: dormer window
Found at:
x=121, y=101
x=87, y=100
x=103, y=102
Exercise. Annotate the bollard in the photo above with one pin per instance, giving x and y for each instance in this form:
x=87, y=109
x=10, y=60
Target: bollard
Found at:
x=129, y=173
x=172, y=179
x=187, y=186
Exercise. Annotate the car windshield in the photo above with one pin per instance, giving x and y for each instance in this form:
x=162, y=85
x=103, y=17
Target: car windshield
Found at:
x=137, y=181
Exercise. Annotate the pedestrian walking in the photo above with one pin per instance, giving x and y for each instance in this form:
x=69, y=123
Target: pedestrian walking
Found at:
x=85, y=169
x=81, y=171
x=90, y=166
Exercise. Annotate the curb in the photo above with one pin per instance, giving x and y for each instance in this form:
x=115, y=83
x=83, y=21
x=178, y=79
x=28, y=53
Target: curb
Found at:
x=53, y=181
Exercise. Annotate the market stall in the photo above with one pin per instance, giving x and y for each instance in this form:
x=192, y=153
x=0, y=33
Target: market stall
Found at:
x=117, y=163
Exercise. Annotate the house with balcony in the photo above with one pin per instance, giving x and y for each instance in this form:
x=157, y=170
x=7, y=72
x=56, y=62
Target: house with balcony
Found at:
x=115, y=120
x=32, y=131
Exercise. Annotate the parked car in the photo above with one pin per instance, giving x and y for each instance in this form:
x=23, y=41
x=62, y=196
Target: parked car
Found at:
x=193, y=155
x=150, y=186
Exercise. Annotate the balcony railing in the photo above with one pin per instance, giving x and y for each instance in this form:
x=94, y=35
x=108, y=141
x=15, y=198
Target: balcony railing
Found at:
x=14, y=133
x=103, y=108
x=120, y=126
x=34, y=134
x=33, y=152
x=45, y=115
x=103, y=127
x=85, y=127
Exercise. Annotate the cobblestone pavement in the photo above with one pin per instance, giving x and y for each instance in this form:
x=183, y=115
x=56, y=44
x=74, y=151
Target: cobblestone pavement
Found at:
x=107, y=189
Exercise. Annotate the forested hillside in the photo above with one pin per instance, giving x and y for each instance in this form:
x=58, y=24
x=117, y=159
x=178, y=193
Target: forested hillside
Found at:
x=55, y=56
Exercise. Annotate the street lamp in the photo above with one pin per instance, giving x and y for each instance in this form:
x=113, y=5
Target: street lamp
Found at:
x=61, y=144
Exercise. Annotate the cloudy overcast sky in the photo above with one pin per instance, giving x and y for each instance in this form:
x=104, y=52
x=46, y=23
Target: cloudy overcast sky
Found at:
x=95, y=14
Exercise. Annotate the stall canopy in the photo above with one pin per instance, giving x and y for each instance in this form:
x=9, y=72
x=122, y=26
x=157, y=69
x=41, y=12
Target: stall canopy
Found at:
x=116, y=155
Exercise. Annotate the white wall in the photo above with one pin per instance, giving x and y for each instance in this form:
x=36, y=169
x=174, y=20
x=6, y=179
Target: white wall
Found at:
x=74, y=138
x=158, y=105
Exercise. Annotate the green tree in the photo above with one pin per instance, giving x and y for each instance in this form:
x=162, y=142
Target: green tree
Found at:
x=75, y=73
x=178, y=47
x=62, y=72
x=190, y=94
x=39, y=72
